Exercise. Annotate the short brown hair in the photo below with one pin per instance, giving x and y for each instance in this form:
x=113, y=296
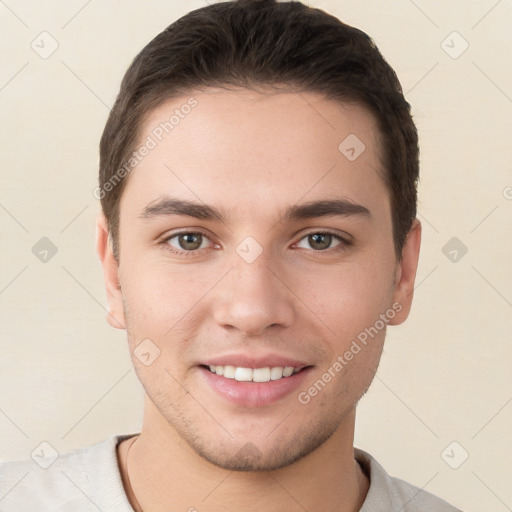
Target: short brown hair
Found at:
x=264, y=43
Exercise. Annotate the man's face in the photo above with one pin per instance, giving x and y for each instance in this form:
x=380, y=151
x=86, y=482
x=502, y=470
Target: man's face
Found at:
x=258, y=289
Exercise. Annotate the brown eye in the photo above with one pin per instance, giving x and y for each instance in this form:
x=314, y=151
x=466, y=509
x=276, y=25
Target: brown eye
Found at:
x=321, y=241
x=186, y=241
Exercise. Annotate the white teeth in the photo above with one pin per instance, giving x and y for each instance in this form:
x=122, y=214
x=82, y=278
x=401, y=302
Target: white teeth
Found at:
x=253, y=375
x=276, y=373
x=287, y=371
x=243, y=374
x=229, y=371
x=261, y=374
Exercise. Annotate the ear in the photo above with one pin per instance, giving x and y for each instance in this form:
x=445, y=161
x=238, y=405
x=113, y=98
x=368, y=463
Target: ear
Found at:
x=115, y=316
x=406, y=273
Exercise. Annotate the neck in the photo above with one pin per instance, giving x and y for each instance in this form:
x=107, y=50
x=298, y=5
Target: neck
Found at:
x=164, y=473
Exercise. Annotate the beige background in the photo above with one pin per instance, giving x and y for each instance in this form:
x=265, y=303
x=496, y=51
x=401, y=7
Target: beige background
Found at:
x=65, y=375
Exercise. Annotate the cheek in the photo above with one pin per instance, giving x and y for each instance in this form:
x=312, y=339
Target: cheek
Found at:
x=349, y=297
x=162, y=298
x=159, y=298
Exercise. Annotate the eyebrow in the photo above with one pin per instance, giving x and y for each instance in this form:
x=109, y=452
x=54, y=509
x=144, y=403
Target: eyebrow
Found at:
x=323, y=208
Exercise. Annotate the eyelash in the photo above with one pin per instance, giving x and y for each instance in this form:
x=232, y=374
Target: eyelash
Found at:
x=342, y=245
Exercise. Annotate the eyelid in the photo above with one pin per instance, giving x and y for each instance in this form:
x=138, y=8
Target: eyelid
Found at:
x=344, y=239
x=189, y=231
x=182, y=231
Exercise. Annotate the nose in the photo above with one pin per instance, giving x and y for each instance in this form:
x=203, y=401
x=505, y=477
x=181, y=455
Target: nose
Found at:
x=254, y=297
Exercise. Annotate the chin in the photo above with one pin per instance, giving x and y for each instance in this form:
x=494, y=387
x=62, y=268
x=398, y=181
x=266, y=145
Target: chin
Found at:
x=271, y=454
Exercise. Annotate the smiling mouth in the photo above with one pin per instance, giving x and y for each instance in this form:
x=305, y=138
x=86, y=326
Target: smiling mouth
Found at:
x=242, y=374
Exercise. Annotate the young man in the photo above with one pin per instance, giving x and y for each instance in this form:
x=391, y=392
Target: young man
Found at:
x=258, y=234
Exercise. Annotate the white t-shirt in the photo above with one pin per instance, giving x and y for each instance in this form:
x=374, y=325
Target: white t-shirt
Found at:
x=89, y=480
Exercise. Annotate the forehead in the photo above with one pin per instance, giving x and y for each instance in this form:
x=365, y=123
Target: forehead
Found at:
x=241, y=147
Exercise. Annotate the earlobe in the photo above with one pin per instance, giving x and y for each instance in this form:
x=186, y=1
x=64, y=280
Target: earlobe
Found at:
x=115, y=315
x=406, y=273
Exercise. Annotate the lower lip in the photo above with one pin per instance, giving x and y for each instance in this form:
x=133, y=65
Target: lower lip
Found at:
x=254, y=394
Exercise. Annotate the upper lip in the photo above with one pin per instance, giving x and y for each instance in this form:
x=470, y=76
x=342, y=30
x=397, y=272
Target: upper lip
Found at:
x=254, y=361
